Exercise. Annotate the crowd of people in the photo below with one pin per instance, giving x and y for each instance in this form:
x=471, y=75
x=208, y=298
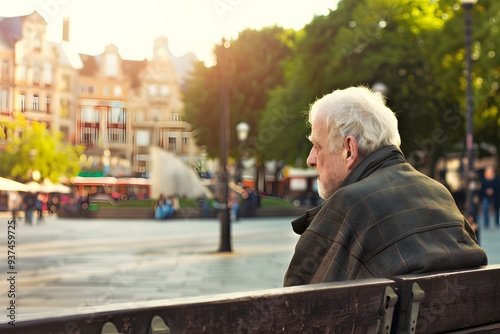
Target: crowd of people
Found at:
x=166, y=206
x=30, y=203
x=243, y=203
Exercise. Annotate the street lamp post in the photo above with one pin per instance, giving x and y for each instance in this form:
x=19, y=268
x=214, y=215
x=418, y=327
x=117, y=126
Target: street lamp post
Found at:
x=225, y=223
x=468, y=5
x=242, y=130
x=381, y=88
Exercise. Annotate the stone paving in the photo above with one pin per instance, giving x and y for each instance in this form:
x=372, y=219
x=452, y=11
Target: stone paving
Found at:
x=66, y=265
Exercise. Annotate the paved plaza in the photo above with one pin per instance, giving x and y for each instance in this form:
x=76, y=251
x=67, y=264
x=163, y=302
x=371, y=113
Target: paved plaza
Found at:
x=66, y=265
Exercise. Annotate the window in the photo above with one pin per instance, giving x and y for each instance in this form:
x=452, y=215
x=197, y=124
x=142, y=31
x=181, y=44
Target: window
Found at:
x=36, y=103
x=89, y=136
x=64, y=108
x=139, y=116
x=4, y=100
x=89, y=128
x=89, y=114
x=141, y=166
x=118, y=90
x=65, y=132
x=155, y=114
x=152, y=90
x=37, y=42
x=86, y=89
x=47, y=74
x=22, y=102
x=176, y=117
x=65, y=83
x=172, y=144
x=116, y=135
x=117, y=115
x=111, y=65
x=47, y=104
x=142, y=138
x=4, y=71
x=106, y=90
x=36, y=74
x=185, y=139
x=21, y=73
x=164, y=90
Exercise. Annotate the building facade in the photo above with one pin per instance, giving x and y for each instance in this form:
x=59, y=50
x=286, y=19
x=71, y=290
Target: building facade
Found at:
x=157, y=110
x=116, y=108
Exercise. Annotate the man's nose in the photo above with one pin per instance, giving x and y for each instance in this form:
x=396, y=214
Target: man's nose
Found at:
x=311, y=159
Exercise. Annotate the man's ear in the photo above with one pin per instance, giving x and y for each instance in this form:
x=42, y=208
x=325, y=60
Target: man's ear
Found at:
x=352, y=153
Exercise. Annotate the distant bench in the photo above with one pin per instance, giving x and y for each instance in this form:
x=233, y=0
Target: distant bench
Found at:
x=461, y=301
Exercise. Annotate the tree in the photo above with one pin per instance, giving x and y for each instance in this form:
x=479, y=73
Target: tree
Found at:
x=447, y=55
x=36, y=148
x=364, y=42
x=486, y=73
x=252, y=66
x=411, y=47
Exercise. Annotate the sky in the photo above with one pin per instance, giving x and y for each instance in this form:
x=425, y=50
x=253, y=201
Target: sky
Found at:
x=190, y=25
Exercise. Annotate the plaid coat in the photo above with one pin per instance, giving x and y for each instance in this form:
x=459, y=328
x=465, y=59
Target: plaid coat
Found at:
x=394, y=221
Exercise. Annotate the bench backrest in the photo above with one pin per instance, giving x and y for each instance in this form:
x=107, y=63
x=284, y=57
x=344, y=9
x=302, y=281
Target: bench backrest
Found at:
x=353, y=307
x=448, y=301
x=465, y=301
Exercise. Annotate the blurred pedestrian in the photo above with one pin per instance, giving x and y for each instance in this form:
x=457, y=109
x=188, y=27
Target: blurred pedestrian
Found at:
x=28, y=207
x=251, y=202
x=14, y=203
x=204, y=205
x=490, y=196
x=40, y=205
x=165, y=207
x=234, y=206
x=171, y=205
x=160, y=208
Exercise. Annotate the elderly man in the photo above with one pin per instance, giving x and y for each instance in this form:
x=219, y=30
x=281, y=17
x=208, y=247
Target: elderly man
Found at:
x=380, y=217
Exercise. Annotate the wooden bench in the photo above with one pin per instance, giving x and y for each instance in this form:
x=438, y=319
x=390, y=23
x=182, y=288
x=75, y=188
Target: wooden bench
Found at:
x=467, y=300
x=462, y=301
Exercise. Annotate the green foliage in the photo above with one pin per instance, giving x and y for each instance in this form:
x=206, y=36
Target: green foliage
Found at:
x=410, y=46
x=447, y=55
x=416, y=48
x=486, y=71
x=36, y=148
x=252, y=67
x=203, y=106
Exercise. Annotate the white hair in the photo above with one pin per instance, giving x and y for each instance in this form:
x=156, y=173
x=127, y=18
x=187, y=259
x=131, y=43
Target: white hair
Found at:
x=359, y=112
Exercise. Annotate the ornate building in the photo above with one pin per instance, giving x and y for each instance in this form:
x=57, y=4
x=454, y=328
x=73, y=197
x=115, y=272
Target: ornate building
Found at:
x=116, y=108
x=157, y=110
x=29, y=67
x=102, y=117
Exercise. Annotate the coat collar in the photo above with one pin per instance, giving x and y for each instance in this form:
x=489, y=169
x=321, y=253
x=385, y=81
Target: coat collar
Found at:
x=384, y=157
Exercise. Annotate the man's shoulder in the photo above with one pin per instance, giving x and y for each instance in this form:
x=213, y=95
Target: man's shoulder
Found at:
x=391, y=181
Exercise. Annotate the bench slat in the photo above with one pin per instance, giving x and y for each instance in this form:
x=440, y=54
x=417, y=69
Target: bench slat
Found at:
x=494, y=328
x=354, y=307
x=453, y=300
x=461, y=301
